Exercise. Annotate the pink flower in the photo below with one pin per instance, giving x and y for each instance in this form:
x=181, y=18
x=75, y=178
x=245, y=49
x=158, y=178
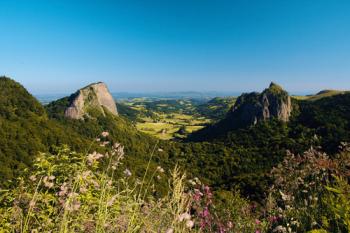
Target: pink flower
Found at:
x=206, y=212
x=273, y=219
x=257, y=221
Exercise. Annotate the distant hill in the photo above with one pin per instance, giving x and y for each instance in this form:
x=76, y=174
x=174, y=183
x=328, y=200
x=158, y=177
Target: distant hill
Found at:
x=174, y=95
x=216, y=108
x=321, y=94
x=248, y=110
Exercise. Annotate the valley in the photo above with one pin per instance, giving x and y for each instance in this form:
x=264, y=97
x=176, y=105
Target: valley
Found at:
x=173, y=118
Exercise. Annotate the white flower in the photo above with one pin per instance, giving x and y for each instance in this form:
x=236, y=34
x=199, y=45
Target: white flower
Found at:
x=32, y=204
x=160, y=149
x=280, y=229
x=169, y=230
x=192, y=182
x=160, y=169
x=111, y=201
x=197, y=180
x=82, y=189
x=184, y=216
x=189, y=224
x=104, y=134
x=47, y=182
x=127, y=172
x=91, y=158
x=285, y=197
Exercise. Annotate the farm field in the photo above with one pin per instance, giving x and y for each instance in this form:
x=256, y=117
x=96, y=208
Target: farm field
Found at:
x=167, y=118
x=169, y=126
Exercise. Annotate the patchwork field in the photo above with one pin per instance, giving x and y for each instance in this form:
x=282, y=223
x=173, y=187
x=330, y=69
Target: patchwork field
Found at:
x=166, y=118
x=168, y=126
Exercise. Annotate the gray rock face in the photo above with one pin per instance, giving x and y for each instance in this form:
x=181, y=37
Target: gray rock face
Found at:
x=254, y=107
x=94, y=97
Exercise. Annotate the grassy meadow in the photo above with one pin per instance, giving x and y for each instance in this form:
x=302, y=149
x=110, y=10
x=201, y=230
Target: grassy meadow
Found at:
x=167, y=119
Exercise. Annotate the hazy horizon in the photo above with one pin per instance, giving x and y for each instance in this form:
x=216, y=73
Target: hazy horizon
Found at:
x=163, y=46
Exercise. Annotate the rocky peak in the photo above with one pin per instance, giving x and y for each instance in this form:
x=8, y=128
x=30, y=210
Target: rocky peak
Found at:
x=94, y=98
x=273, y=102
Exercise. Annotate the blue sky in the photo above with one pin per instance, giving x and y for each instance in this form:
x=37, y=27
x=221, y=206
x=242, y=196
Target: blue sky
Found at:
x=57, y=46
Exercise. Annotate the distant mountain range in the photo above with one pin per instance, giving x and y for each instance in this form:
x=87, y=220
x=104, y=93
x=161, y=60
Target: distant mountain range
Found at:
x=206, y=95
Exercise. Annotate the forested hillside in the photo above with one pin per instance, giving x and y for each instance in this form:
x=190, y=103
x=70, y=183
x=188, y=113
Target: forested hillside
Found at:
x=26, y=129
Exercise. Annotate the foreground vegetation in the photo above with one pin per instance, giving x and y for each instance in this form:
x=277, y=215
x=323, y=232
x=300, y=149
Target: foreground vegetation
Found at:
x=73, y=192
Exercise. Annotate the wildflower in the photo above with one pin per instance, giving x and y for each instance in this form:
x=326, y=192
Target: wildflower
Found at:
x=74, y=204
x=63, y=190
x=160, y=169
x=32, y=204
x=127, y=172
x=32, y=178
x=95, y=183
x=198, y=195
x=48, y=182
x=273, y=219
x=280, y=229
x=103, y=144
x=109, y=183
x=98, y=139
x=184, y=216
x=85, y=175
x=159, y=177
x=82, y=189
x=197, y=180
x=257, y=221
x=111, y=201
x=206, y=212
x=160, y=150
x=104, y=134
x=189, y=224
x=94, y=157
x=169, y=230
x=285, y=197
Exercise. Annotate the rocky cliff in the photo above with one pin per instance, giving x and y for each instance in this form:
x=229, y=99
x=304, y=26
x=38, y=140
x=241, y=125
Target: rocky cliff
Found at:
x=94, y=98
x=273, y=102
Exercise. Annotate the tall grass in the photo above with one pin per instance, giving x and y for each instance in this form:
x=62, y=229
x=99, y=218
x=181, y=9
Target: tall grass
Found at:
x=73, y=192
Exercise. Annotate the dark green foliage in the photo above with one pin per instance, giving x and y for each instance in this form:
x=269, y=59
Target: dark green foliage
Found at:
x=255, y=150
x=216, y=108
x=328, y=118
x=26, y=130
x=16, y=102
x=127, y=112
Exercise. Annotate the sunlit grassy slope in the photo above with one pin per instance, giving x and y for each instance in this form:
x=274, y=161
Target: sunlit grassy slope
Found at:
x=320, y=95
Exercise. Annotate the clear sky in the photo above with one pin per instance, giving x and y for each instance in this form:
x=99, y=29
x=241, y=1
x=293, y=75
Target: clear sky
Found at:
x=57, y=46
